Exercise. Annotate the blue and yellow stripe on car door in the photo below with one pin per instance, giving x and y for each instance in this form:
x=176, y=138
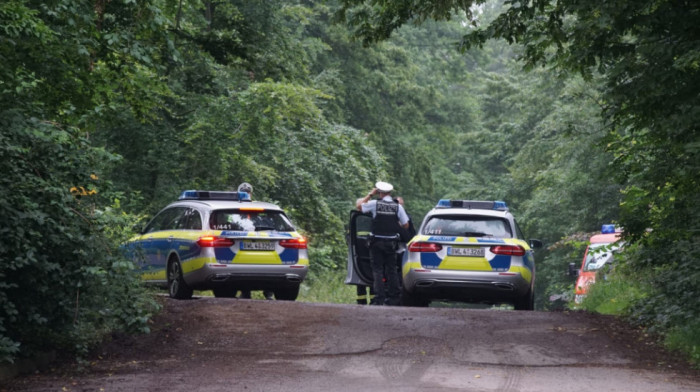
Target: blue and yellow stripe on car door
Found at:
x=158, y=246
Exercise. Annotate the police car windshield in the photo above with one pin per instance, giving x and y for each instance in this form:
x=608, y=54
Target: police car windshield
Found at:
x=599, y=255
x=242, y=220
x=468, y=226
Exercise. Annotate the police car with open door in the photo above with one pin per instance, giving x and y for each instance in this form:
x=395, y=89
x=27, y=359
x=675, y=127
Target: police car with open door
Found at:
x=470, y=251
x=221, y=241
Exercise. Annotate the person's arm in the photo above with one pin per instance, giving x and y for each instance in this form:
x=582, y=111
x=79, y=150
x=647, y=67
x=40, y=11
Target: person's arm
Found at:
x=365, y=199
x=403, y=217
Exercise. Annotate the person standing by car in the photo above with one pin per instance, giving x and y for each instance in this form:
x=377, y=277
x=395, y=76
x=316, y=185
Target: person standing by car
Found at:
x=247, y=188
x=365, y=294
x=388, y=220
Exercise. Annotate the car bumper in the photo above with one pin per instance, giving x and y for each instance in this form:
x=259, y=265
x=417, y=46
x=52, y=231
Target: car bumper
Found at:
x=246, y=276
x=466, y=286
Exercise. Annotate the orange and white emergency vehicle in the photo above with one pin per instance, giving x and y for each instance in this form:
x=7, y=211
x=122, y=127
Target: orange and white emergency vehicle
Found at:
x=599, y=252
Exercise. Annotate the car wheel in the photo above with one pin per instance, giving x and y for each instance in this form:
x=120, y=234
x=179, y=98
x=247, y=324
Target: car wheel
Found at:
x=177, y=288
x=225, y=292
x=289, y=294
x=527, y=302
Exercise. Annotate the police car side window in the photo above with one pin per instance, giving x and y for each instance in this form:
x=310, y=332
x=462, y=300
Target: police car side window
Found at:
x=193, y=220
x=153, y=224
x=176, y=219
x=161, y=221
x=188, y=220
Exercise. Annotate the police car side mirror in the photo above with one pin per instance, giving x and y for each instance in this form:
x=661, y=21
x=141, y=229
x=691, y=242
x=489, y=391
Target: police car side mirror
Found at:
x=536, y=244
x=573, y=270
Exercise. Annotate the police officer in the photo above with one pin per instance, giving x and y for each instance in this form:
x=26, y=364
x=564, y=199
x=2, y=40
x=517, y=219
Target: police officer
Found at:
x=389, y=217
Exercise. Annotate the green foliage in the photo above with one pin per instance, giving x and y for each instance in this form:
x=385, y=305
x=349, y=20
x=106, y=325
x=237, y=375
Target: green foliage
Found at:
x=64, y=64
x=64, y=284
x=613, y=294
x=553, y=286
x=686, y=339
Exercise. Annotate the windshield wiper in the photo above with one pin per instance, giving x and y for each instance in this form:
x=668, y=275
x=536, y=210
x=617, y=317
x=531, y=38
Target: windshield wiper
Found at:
x=261, y=228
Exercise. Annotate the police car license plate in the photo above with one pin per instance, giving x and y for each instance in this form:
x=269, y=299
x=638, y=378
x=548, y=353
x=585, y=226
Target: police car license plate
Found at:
x=257, y=245
x=468, y=252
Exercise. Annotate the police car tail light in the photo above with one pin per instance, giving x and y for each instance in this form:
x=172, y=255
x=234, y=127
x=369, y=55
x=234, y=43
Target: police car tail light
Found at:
x=424, y=247
x=294, y=243
x=509, y=250
x=215, y=242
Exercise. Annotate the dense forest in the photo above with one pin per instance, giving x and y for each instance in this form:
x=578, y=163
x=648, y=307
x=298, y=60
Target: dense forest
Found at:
x=576, y=113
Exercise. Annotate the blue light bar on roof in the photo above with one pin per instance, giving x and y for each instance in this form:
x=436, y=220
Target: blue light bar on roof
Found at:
x=607, y=229
x=214, y=195
x=443, y=203
x=500, y=205
x=473, y=204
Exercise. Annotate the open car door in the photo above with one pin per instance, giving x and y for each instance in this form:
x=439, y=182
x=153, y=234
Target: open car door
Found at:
x=359, y=271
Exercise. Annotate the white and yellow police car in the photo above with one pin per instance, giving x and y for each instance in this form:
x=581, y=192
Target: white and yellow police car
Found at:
x=470, y=251
x=224, y=242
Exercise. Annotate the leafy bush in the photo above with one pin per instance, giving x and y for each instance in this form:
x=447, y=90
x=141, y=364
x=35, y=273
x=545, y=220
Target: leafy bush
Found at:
x=63, y=285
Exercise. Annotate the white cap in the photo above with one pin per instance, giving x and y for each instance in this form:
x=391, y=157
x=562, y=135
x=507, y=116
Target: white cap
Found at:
x=245, y=187
x=384, y=187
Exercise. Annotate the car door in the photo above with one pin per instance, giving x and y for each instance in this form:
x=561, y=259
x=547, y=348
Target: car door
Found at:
x=359, y=271
x=157, y=241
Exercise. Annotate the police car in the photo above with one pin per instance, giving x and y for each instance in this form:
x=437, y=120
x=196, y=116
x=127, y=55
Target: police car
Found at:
x=471, y=251
x=224, y=242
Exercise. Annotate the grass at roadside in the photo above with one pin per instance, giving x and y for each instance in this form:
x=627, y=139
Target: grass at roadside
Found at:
x=613, y=295
x=686, y=339
x=322, y=287
x=617, y=296
x=327, y=287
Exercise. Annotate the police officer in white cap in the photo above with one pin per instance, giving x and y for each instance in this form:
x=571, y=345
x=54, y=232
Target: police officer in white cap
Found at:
x=388, y=217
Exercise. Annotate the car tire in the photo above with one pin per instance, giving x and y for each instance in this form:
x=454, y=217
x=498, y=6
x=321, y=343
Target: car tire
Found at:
x=177, y=288
x=288, y=294
x=225, y=292
x=527, y=302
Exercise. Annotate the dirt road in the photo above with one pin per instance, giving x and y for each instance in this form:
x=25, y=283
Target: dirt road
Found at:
x=209, y=344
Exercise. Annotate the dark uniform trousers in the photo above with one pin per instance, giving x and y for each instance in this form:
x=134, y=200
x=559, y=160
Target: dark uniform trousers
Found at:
x=383, y=262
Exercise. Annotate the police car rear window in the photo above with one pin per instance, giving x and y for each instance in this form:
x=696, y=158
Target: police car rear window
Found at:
x=235, y=219
x=468, y=226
